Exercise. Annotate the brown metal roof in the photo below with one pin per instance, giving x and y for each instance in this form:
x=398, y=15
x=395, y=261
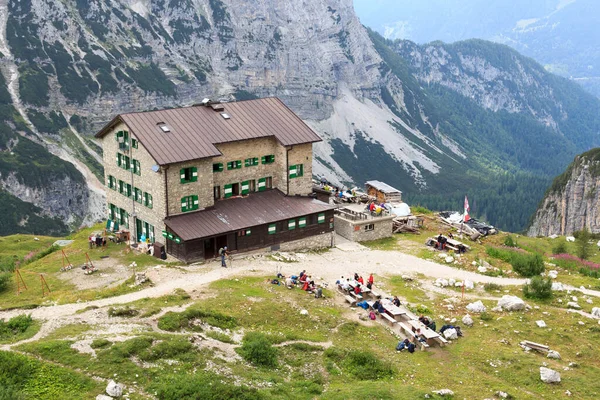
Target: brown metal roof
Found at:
x=195, y=130
x=241, y=213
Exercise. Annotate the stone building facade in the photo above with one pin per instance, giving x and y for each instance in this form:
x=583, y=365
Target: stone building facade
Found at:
x=154, y=172
x=364, y=229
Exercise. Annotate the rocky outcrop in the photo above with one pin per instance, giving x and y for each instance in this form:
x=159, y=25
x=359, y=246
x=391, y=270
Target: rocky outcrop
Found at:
x=573, y=200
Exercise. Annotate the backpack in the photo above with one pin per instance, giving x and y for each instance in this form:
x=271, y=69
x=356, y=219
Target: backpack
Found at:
x=411, y=347
x=372, y=315
x=432, y=326
x=458, y=331
x=221, y=250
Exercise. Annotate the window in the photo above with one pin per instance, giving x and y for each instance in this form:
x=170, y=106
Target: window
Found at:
x=112, y=211
x=227, y=190
x=321, y=218
x=119, y=160
x=121, y=186
x=235, y=189
x=189, y=203
x=123, y=139
x=296, y=171
x=251, y=162
x=163, y=127
x=265, y=183
x=291, y=224
x=124, y=218
x=148, y=200
x=217, y=167
x=369, y=227
x=137, y=168
x=217, y=192
x=112, y=182
x=302, y=222
x=268, y=159
x=124, y=162
x=234, y=164
x=138, y=195
x=134, y=143
x=188, y=175
x=244, y=232
x=128, y=191
x=272, y=229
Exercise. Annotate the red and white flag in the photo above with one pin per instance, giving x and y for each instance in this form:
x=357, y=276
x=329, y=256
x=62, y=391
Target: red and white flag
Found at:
x=466, y=209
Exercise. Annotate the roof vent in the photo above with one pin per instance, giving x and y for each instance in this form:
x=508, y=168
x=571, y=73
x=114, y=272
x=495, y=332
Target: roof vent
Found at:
x=218, y=107
x=205, y=101
x=225, y=116
x=164, y=127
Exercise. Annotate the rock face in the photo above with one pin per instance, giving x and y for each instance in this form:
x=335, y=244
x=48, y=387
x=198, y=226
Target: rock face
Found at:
x=573, y=200
x=511, y=303
x=476, y=307
x=549, y=376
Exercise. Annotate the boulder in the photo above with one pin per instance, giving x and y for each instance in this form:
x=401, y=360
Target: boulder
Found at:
x=451, y=282
x=596, y=312
x=458, y=284
x=467, y=320
x=557, y=286
x=511, y=303
x=481, y=270
x=554, y=354
x=441, y=282
x=114, y=389
x=549, y=376
x=570, y=238
x=449, y=259
x=553, y=274
x=444, y=392
x=574, y=305
x=469, y=285
x=574, y=298
x=450, y=334
x=304, y=312
x=540, y=323
x=476, y=307
x=103, y=397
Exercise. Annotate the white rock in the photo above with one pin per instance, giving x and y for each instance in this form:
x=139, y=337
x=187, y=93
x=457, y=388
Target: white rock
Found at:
x=482, y=270
x=557, y=286
x=444, y=392
x=540, y=323
x=304, y=312
x=502, y=395
x=469, y=285
x=103, y=397
x=560, y=300
x=453, y=321
x=511, y=303
x=574, y=305
x=553, y=354
x=553, y=274
x=474, y=263
x=467, y=320
x=570, y=238
x=441, y=282
x=450, y=334
x=114, y=389
x=476, y=307
x=589, y=301
x=568, y=393
x=549, y=376
x=450, y=307
x=596, y=312
x=451, y=282
x=458, y=284
x=553, y=236
x=574, y=298
x=497, y=309
x=449, y=259
x=581, y=323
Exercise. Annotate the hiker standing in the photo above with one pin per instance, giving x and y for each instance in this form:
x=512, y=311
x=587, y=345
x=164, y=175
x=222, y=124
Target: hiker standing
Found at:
x=223, y=252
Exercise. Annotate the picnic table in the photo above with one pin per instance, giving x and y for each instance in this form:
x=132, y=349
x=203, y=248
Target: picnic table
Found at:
x=429, y=335
x=393, y=310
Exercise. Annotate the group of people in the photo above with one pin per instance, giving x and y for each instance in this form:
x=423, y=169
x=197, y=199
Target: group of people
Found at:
x=410, y=344
x=357, y=285
x=304, y=281
x=376, y=209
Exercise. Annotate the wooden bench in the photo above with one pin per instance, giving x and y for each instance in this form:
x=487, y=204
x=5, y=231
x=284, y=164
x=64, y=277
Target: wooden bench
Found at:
x=408, y=331
x=370, y=303
x=375, y=295
x=388, y=318
x=350, y=300
x=441, y=340
x=356, y=296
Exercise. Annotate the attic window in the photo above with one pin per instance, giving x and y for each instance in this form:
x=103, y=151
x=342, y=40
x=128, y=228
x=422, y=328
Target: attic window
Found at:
x=225, y=116
x=164, y=127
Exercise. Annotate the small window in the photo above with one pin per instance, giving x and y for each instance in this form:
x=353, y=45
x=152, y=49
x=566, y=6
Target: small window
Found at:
x=296, y=171
x=134, y=143
x=234, y=164
x=291, y=224
x=251, y=162
x=137, y=168
x=123, y=218
x=123, y=140
x=225, y=116
x=265, y=183
x=269, y=159
x=272, y=229
x=188, y=175
x=112, y=182
x=148, y=200
x=138, y=195
x=321, y=218
x=189, y=203
x=128, y=191
x=164, y=127
x=217, y=167
x=125, y=162
x=370, y=227
x=302, y=222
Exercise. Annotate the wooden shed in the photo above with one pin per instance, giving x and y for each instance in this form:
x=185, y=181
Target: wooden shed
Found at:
x=383, y=192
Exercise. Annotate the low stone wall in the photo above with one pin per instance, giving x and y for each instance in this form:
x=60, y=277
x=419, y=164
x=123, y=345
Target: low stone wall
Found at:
x=356, y=230
x=310, y=243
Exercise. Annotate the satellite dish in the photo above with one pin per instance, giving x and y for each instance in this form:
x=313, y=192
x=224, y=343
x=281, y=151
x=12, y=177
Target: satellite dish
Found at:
x=155, y=168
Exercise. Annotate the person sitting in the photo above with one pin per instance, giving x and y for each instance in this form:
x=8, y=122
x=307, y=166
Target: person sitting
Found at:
x=289, y=282
x=295, y=279
x=340, y=281
x=318, y=293
x=305, y=286
x=355, y=276
x=446, y=327
x=357, y=289
x=361, y=280
x=302, y=273
x=424, y=320
x=303, y=278
x=439, y=241
x=419, y=336
x=380, y=309
x=372, y=206
x=346, y=284
x=396, y=301
x=376, y=305
x=369, y=286
x=450, y=235
x=402, y=345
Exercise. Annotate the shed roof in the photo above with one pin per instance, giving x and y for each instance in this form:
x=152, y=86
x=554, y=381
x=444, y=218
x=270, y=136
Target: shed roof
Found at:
x=194, y=131
x=383, y=187
x=242, y=213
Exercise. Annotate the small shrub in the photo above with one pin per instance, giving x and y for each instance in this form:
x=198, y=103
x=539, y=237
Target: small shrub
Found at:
x=560, y=247
x=528, y=265
x=538, y=288
x=365, y=365
x=126, y=312
x=257, y=349
x=221, y=337
x=131, y=347
x=15, y=326
x=4, y=282
x=421, y=210
x=100, y=343
x=173, y=321
x=485, y=316
x=421, y=309
x=200, y=386
x=168, y=349
x=509, y=241
x=492, y=287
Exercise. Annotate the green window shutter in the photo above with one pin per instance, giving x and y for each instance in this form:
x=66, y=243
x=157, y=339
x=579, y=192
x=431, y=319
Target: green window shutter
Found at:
x=138, y=195
x=134, y=143
x=302, y=222
x=184, y=204
x=299, y=170
x=262, y=184
x=228, y=192
x=118, y=159
x=230, y=165
x=182, y=175
x=129, y=192
x=291, y=224
x=321, y=218
x=248, y=232
x=195, y=202
x=217, y=167
x=255, y=161
x=238, y=164
x=248, y=162
x=121, y=186
x=293, y=171
x=263, y=159
x=194, y=174
x=126, y=163
x=137, y=167
x=245, y=187
x=272, y=229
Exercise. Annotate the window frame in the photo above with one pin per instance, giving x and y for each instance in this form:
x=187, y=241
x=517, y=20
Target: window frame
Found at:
x=251, y=162
x=219, y=167
x=272, y=229
x=148, y=200
x=184, y=172
x=189, y=203
x=291, y=224
x=235, y=164
x=321, y=218
x=268, y=159
x=296, y=171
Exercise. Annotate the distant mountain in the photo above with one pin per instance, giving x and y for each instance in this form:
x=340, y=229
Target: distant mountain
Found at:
x=437, y=121
x=559, y=34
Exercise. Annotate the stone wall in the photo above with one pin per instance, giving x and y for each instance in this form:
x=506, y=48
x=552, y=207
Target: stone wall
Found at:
x=321, y=241
x=203, y=187
x=301, y=154
x=356, y=230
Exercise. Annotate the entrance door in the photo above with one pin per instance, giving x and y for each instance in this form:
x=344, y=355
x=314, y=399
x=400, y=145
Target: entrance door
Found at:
x=209, y=248
x=138, y=229
x=221, y=241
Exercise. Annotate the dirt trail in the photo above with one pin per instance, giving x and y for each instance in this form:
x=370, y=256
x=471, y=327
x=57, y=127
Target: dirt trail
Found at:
x=325, y=267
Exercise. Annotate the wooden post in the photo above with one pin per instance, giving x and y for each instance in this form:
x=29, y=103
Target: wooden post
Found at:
x=65, y=262
x=20, y=282
x=44, y=285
